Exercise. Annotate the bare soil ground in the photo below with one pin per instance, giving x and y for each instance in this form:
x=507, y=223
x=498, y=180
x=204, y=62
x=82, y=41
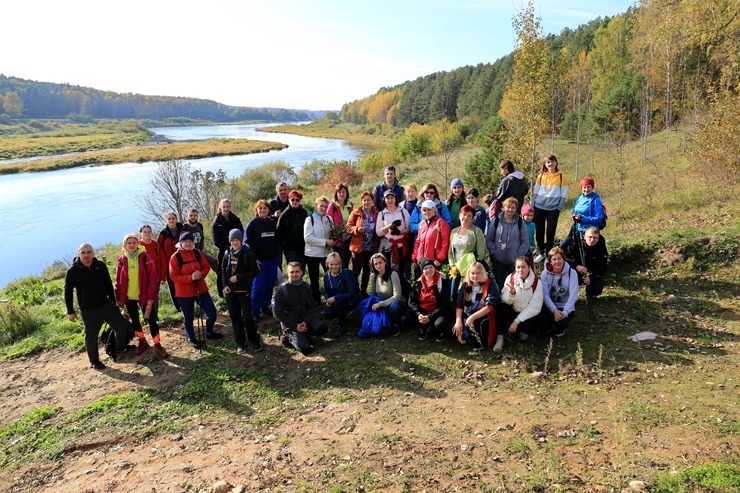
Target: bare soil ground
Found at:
x=432, y=417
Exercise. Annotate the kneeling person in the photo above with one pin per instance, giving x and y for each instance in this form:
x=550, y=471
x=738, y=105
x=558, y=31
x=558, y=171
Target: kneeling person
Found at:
x=430, y=303
x=294, y=305
x=340, y=289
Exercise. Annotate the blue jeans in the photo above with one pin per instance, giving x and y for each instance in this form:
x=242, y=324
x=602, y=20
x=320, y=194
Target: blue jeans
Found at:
x=263, y=284
x=339, y=310
x=398, y=310
x=188, y=311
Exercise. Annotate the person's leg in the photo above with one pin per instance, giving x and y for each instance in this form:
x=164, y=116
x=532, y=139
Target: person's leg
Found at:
x=596, y=286
x=219, y=283
x=442, y=326
x=175, y=301
x=552, y=224
x=206, y=304
x=132, y=308
x=258, y=288
x=505, y=314
x=559, y=327
x=188, y=310
x=500, y=272
x=152, y=321
x=528, y=327
x=317, y=326
x=236, y=314
x=313, y=275
x=546, y=320
x=398, y=310
x=540, y=216
x=250, y=329
x=366, y=270
x=300, y=341
x=92, y=320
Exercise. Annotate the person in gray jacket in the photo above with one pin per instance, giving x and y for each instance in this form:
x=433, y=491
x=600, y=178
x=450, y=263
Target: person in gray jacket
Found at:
x=294, y=308
x=507, y=238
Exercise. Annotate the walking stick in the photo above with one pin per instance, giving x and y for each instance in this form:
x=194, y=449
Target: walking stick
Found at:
x=589, y=298
x=201, y=329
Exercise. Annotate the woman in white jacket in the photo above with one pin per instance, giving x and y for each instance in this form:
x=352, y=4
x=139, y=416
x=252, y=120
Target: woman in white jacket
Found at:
x=559, y=293
x=521, y=301
x=317, y=235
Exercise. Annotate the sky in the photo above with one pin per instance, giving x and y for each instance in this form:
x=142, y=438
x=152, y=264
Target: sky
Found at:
x=298, y=54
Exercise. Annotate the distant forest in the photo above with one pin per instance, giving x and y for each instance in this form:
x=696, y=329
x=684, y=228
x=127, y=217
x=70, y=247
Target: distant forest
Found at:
x=21, y=98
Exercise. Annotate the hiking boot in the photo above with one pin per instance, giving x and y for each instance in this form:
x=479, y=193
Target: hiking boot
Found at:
x=558, y=333
x=143, y=346
x=160, y=351
x=257, y=347
x=423, y=332
x=539, y=258
x=215, y=335
x=97, y=364
x=286, y=342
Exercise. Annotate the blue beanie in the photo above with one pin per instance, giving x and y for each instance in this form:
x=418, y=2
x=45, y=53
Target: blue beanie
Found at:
x=457, y=182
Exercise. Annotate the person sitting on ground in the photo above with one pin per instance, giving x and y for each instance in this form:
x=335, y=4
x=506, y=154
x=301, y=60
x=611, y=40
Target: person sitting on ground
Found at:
x=340, y=290
x=238, y=271
x=592, y=269
x=386, y=284
x=429, y=302
x=188, y=269
x=455, y=201
x=521, y=301
x=294, y=308
x=97, y=301
x=137, y=284
x=390, y=183
x=475, y=310
x=559, y=292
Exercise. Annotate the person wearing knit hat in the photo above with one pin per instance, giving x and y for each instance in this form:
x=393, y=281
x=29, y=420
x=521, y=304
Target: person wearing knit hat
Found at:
x=456, y=201
x=588, y=211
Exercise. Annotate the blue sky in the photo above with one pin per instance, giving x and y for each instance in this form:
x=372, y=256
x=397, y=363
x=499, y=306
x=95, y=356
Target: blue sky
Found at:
x=309, y=54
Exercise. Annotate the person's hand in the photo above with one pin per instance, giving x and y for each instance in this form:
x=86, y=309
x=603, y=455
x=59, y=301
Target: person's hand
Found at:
x=330, y=242
x=586, y=281
x=424, y=319
x=330, y=301
x=148, y=311
x=558, y=315
x=513, y=326
x=582, y=269
x=72, y=317
x=233, y=279
x=227, y=290
x=277, y=213
x=119, y=304
x=470, y=321
x=302, y=327
x=437, y=263
x=375, y=307
x=196, y=275
x=512, y=290
x=396, y=223
x=458, y=327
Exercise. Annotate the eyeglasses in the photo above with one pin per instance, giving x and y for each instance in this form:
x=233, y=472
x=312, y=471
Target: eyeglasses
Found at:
x=295, y=200
x=427, y=192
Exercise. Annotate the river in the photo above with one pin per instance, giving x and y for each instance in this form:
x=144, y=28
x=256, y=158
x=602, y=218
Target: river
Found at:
x=47, y=215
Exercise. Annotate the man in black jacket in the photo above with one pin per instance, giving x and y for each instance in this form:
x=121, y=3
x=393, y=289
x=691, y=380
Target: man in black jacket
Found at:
x=97, y=302
x=224, y=222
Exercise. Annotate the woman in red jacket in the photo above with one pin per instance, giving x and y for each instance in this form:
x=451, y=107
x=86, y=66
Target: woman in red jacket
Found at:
x=188, y=270
x=137, y=284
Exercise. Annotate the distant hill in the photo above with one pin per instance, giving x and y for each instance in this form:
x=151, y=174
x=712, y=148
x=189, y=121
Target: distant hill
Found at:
x=34, y=99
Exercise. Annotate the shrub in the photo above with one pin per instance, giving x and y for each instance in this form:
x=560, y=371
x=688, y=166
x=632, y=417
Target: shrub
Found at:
x=16, y=323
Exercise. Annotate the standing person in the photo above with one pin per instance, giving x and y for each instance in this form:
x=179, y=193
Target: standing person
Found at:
x=364, y=243
x=411, y=205
x=521, y=301
x=224, y=222
x=238, y=270
x=167, y=240
x=188, y=269
x=339, y=210
x=433, y=241
x=261, y=238
x=559, y=293
x=196, y=227
x=392, y=227
x=528, y=216
x=290, y=229
x=316, y=233
x=137, y=284
x=390, y=183
x=294, y=308
x=480, y=217
x=467, y=246
x=280, y=202
x=588, y=211
x=507, y=239
x=429, y=192
x=154, y=251
x=429, y=302
x=513, y=184
x=475, y=310
x=550, y=192
x=96, y=299
x=455, y=201
x=386, y=284
x=340, y=290
x=592, y=267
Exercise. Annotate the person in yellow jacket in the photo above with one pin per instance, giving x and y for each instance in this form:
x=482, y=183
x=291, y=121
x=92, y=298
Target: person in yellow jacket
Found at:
x=548, y=199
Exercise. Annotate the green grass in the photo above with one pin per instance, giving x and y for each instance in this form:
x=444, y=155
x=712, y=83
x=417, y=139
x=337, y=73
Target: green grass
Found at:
x=717, y=477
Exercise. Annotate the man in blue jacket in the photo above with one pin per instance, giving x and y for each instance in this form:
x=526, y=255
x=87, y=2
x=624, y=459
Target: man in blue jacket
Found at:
x=390, y=183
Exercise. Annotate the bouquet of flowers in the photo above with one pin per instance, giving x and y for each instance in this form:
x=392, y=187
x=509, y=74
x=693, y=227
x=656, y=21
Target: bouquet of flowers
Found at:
x=337, y=232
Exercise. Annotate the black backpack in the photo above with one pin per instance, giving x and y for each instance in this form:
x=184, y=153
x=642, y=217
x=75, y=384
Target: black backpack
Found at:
x=108, y=339
x=178, y=255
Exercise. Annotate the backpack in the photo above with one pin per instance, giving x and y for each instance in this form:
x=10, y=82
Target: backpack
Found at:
x=601, y=224
x=108, y=339
x=178, y=255
x=496, y=222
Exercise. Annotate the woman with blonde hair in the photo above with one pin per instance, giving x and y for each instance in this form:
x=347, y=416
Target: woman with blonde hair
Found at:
x=316, y=233
x=137, y=284
x=340, y=290
x=475, y=309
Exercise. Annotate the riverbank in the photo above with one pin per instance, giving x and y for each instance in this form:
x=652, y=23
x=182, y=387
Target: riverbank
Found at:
x=355, y=134
x=146, y=153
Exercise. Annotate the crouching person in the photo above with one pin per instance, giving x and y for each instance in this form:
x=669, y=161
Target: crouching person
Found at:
x=97, y=301
x=475, y=310
x=429, y=302
x=340, y=289
x=521, y=301
x=294, y=305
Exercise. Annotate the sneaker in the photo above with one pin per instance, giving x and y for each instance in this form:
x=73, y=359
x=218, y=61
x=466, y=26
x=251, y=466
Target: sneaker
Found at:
x=240, y=350
x=257, y=347
x=215, y=335
x=195, y=345
x=499, y=346
x=539, y=259
x=143, y=346
x=558, y=333
x=396, y=331
x=523, y=336
x=97, y=364
x=423, y=332
x=160, y=351
x=341, y=330
x=442, y=336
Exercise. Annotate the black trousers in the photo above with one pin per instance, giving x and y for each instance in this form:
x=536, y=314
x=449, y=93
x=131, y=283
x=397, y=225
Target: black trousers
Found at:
x=545, y=224
x=93, y=319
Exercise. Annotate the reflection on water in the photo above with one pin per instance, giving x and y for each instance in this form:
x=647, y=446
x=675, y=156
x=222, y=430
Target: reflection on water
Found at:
x=47, y=215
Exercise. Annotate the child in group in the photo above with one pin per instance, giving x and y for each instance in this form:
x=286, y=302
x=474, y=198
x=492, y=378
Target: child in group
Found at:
x=528, y=216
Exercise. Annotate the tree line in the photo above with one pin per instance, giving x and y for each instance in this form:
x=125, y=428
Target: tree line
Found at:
x=21, y=98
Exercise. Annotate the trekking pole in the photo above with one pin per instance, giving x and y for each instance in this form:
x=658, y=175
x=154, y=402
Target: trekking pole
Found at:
x=589, y=300
x=201, y=330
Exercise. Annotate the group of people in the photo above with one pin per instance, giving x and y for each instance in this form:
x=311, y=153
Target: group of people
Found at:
x=368, y=254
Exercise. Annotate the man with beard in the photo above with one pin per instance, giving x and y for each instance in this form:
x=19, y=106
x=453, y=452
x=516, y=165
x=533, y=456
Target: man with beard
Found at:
x=280, y=202
x=196, y=227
